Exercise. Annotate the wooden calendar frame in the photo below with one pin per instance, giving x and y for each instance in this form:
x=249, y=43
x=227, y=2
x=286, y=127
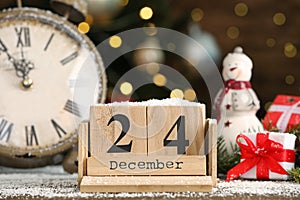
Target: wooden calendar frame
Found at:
x=163, y=182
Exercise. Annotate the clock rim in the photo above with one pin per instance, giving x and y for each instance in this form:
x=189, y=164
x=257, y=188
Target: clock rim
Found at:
x=61, y=24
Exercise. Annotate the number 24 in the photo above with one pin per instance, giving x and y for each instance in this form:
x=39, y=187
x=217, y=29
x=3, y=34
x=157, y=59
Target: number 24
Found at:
x=180, y=142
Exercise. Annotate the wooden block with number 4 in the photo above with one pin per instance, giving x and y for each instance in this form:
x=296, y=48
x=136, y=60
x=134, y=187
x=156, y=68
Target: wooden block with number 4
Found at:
x=176, y=130
x=117, y=129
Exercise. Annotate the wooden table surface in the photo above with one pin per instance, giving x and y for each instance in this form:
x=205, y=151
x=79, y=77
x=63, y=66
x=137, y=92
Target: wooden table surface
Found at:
x=53, y=183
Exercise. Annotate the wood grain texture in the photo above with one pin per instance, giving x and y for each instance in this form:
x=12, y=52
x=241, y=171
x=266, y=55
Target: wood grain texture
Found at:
x=146, y=184
x=149, y=127
x=83, y=132
x=212, y=136
x=152, y=165
x=162, y=118
x=103, y=136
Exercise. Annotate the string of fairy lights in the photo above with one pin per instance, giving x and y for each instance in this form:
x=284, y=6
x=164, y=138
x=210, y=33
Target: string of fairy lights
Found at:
x=233, y=32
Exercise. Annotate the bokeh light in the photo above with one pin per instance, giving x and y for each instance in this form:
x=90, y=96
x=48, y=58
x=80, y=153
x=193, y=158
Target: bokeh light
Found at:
x=177, y=93
x=146, y=13
x=290, y=79
x=124, y=2
x=290, y=50
x=159, y=80
x=152, y=68
x=89, y=19
x=233, y=32
x=270, y=42
x=115, y=41
x=241, y=9
x=171, y=46
x=126, y=88
x=83, y=27
x=279, y=19
x=150, y=29
x=190, y=94
x=197, y=14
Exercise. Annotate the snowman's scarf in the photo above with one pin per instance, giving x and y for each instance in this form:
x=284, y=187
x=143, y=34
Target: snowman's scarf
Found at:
x=236, y=85
x=230, y=84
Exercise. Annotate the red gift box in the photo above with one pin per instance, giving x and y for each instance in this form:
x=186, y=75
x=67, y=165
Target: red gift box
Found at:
x=284, y=113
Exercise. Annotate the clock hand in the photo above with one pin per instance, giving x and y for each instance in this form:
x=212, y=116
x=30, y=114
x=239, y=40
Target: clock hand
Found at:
x=22, y=68
x=26, y=64
x=23, y=65
x=14, y=62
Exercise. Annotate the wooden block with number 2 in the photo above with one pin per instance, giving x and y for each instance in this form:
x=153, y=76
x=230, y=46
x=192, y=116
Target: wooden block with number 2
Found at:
x=121, y=130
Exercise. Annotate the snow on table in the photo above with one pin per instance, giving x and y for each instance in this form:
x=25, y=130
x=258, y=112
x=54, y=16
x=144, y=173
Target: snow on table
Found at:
x=53, y=183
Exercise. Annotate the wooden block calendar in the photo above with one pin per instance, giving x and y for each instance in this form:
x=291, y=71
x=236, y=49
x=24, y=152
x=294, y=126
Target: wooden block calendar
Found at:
x=147, y=148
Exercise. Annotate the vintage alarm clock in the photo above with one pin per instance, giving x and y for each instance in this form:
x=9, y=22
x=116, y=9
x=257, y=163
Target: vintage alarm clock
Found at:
x=41, y=55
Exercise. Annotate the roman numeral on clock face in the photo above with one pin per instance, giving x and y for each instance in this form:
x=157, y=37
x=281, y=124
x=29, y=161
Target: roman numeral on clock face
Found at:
x=69, y=58
x=48, y=42
x=5, y=130
x=2, y=46
x=59, y=130
x=23, y=36
x=31, y=138
x=73, y=108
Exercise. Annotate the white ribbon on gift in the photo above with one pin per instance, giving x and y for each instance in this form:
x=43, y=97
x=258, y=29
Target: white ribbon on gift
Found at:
x=287, y=112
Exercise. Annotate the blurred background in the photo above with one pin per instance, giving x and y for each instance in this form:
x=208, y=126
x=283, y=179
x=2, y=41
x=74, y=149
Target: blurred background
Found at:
x=268, y=31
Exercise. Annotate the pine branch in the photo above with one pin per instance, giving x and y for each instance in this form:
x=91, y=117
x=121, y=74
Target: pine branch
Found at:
x=296, y=131
x=269, y=125
x=227, y=160
x=295, y=174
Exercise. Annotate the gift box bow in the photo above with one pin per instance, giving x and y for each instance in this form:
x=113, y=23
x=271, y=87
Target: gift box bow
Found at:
x=265, y=156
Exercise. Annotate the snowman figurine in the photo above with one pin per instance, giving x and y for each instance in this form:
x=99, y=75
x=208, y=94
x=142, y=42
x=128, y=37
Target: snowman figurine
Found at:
x=237, y=104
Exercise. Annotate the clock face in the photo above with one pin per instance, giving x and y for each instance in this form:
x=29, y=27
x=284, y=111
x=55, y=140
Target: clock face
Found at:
x=40, y=58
